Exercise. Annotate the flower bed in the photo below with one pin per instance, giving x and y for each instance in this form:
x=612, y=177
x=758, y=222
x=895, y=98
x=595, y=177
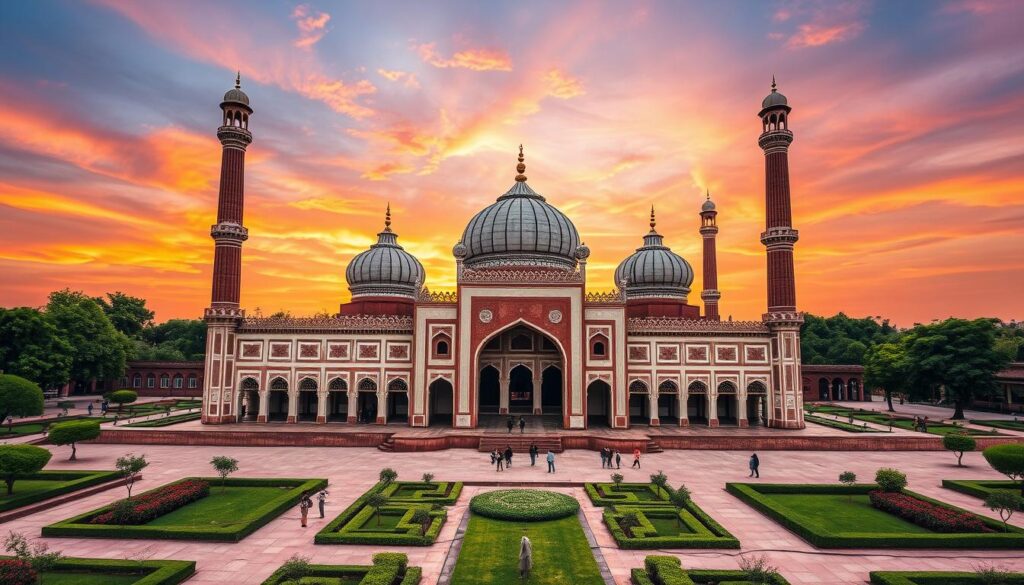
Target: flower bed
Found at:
x=524, y=505
x=926, y=514
x=154, y=504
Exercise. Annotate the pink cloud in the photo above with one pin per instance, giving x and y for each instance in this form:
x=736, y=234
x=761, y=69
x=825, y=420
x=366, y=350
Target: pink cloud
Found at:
x=563, y=86
x=312, y=25
x=475, y=59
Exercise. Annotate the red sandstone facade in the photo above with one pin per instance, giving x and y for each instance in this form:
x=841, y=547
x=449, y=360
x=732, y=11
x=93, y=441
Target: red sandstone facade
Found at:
x=520, y=334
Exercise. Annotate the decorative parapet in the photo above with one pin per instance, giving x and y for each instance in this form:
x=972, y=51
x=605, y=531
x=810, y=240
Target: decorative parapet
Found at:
x=674, y=326
x=548, y=275
x=614, y=296
x=229, y=314
x=339, y=323
x=438, y=297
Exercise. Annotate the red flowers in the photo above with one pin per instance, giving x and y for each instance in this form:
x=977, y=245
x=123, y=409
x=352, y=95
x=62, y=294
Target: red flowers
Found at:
x=16, y=572
x=154, y=504
x=926, y=514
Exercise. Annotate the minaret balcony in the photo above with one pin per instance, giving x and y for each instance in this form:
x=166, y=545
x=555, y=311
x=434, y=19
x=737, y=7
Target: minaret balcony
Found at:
x=774, y=140
x=780, y=237
x=229, y=231
x=234, y=136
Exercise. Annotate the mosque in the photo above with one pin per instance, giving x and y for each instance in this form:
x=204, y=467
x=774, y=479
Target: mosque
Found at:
x=520, y=335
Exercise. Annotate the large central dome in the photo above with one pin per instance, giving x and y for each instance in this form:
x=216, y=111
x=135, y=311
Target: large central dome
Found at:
x=519, y=229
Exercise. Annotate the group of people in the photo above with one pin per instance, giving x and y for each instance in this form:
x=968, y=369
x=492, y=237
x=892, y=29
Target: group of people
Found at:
x=511, y=424
x=921, y=424
x=503, y=459
x=306, y=502
x=609, y=456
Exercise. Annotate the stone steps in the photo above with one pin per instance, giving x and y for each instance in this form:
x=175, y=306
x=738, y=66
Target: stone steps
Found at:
x=520, y=443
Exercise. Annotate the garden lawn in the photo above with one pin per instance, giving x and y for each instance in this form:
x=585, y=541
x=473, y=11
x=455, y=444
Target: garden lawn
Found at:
x=1010, y=425
x=47, y=484
x=77, y=578
x=224, y=507
x=839, y=514
x=938, y=578
x=76, y=571
x=490, y=553
x=22, y=429
x=981, y=488
x=843, y=426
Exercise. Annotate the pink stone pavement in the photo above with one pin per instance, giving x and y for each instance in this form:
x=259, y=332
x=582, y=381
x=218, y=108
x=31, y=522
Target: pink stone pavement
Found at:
x=351, y=471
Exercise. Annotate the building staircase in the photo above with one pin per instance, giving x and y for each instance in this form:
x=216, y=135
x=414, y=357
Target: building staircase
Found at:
x=654, y=447
x=520, y=443
x=388, y=445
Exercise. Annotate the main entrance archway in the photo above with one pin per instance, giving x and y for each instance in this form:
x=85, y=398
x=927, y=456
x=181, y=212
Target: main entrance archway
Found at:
x=520, y=371
x=599, y=404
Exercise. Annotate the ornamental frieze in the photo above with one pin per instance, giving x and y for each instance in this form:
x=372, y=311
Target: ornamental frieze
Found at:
x=520, y=276
x=672, y=325
x=345, y=323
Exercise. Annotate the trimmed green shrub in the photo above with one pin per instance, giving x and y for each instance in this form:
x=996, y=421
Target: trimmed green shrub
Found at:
x=1005, y=503
x=890, y=480
x=19, y=397
x=1007, y=459
x=406, y=500
x=445, y=493
x=979, y=488
x=64, y=482
x=154, y=572
x=73, y=431
x=699, y=529
x=122, y=397
x=610, y=494
x=959, y=443
x=20, y=460
x=524, y=505
x=937, y=578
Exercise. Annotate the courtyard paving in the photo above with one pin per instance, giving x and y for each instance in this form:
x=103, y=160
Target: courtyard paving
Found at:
x=353, y=470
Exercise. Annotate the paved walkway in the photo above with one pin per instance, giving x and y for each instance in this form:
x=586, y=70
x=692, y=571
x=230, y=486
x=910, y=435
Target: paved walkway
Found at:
x=351, y=471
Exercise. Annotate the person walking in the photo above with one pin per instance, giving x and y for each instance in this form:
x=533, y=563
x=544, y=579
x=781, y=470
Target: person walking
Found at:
x=604, y=458
x=508, y=456
x=636, y=458
x=551, y=461
x=618, y=459
x=533, y=454
x=90, y=409
x=321, y=500
x=501, y=460
x=522, y=424
x=754, y=464
x=511, y=424
x=304, y=505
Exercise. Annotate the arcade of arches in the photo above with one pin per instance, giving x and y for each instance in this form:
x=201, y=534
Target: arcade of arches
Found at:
x=333, y=404
x=828, y=383
x=520, y=372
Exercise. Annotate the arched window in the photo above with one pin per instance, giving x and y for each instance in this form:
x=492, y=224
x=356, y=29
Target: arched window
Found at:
x=137, y=381
x=494, y=344
x=367, y=385
x=150, y=381
x=179, y=380
x=637, y=387
x=697, y=387
x=726, y=388
x=308, y=384
x=668, y=387
x=522, y=342
x=278, y=384
x=757, y=387
x=165, y=381
x=599, y=348
x=250, y=384
x=338, y=384
x=398, y=386
x=193, y=382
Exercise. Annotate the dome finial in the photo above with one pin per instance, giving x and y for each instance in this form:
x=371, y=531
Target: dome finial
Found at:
x=652, y=218
x=773, y=83
x=238, y=79
x=387, y=218
x=709, y=194
x=521, y=167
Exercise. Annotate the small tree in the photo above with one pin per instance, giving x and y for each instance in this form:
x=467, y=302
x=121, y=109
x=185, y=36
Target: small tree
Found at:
x=1007, y=459
x=890, y=480
x=74, y=431
x=130, y=466
x=422, y=517
x=660, y=481
x=377, y=500
x=758, y=571
x=428, y=478
x=295, y=568
x=848, y=478
x=388, y=476
x=224, y=466
x=19, y=397
x=122, y=397
x=680, y=498
x=628, y=522
x=1004, y=502
x=37, y=555
x=21, y=460
x=617, y=479
x=958, y=443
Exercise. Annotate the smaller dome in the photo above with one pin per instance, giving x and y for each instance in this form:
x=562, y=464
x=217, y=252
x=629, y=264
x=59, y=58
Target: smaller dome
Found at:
x=582, y=252
x=386, y=269
x=654, y=270
x=774, y=98
x=235, y=95
x=460, y=250
x=708, y=205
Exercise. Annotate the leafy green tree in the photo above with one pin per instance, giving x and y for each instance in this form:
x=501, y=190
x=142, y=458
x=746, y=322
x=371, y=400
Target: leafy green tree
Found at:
x=841, y=339
x=128, y=314
x=885, y=367
x=959, y=443
x=122, y=397
x=19, y=397
x=176, y=339
x=377, y=500
x=957, y=355
x=617, y=479
x=20, y=460
x=130, y=466
x=428, y=478
x=848, y=478
x=388, y=475
x=73, y=431
x=224, y=466
x=31, y=347
x=98, y=350
x=890, y=480
x=628, y=522
x=680, y=498
x=1007, y=459
x=660, y=481
x=1005, y=503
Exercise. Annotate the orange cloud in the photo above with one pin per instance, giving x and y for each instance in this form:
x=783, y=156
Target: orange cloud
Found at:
x=473, y=59
x=312, y=25
x=810, y=35
x=563, y=86
x=406, y=78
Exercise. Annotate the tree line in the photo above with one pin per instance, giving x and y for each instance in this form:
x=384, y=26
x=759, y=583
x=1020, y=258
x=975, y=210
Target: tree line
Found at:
x=82, y=338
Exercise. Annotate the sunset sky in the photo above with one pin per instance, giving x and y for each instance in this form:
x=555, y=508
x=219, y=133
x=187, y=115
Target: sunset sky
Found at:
x=907, y=165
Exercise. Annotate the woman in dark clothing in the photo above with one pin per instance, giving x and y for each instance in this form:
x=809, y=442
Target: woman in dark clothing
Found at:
x=508, y=456
x=754, y=464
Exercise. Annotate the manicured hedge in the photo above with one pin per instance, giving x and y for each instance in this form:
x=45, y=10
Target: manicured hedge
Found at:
x=438, y=492
x=980, y=488
x=843, y=426
x=524, y=505
x=666, y=570
x=72, y=481
x=935, y=578
x=155, y=572
x=387, y=568
x=706, y=533
x=609, y=494
x=167, y=420
x=752, y=494
x=348, y=527
x=79, y=526
x=153, y=504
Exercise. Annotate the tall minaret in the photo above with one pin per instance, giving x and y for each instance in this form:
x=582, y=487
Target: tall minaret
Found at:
x=709, y=230
x=224, y=314
x=782, y=318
